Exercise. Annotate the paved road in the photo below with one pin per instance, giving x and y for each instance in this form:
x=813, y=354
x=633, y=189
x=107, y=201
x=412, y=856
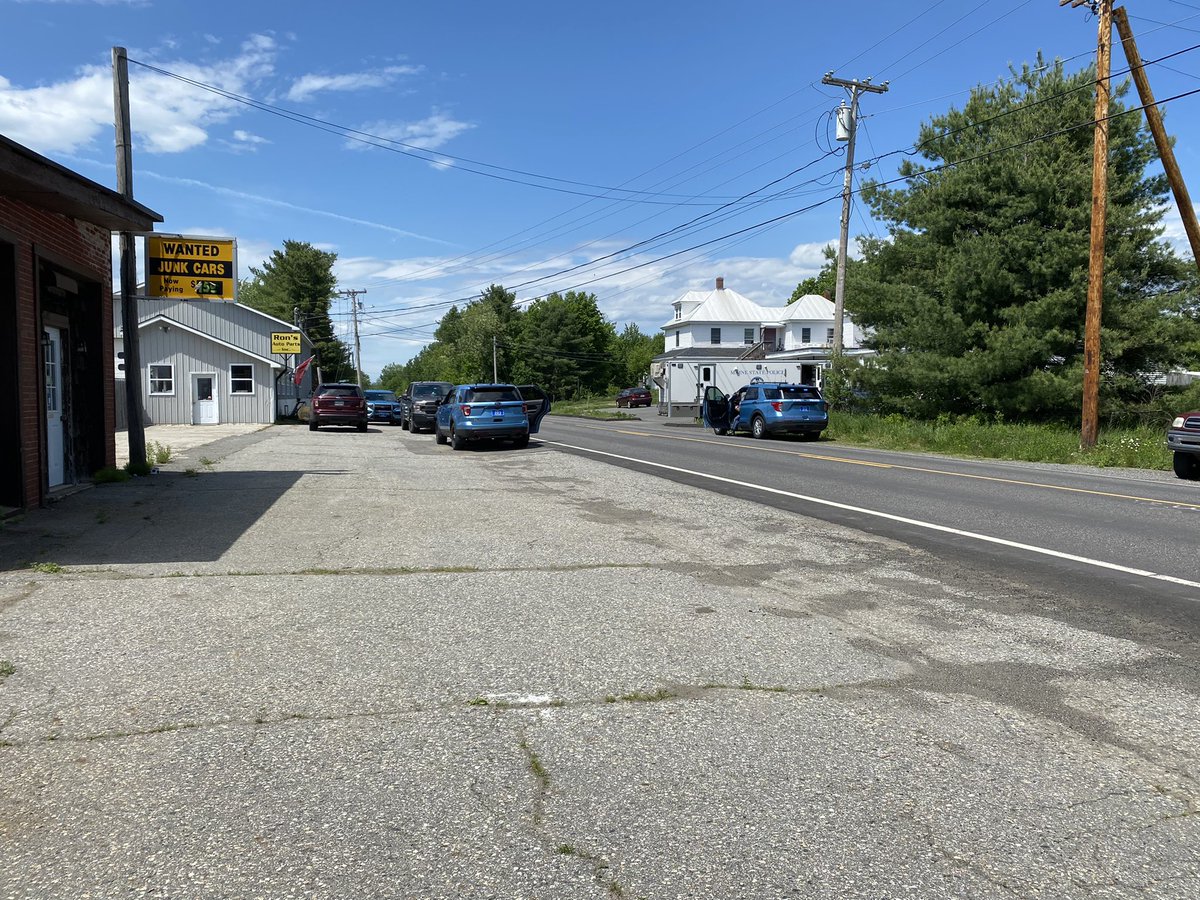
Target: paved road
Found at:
x=336, y=664
x=1133, y=529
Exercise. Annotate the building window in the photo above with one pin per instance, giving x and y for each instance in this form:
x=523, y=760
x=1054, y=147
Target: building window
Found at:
x=241, y=379
x=162, y=379
x=706, y=374
x=678, y=312
x=806, y=335
x=829, y=335
x=748, y=336
x=677, y=339
x=715, y=336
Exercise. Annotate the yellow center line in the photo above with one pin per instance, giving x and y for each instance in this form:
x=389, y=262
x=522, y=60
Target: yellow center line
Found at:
x=907, y=468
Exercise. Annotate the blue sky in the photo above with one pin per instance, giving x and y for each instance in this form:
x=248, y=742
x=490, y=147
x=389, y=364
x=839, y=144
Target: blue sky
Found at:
x=596, y=127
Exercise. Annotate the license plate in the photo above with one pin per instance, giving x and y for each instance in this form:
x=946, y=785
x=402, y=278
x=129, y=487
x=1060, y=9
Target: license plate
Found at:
x=497, y=414
x=339, y=402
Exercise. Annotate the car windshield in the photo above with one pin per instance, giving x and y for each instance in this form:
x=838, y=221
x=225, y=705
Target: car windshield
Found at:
x=431, y=390
x=337, y=391
x=381, y=395
x=492, y=394
x=800, y=392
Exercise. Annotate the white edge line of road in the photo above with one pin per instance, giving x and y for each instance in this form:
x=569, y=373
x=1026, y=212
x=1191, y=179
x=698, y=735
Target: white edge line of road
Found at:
x=931, y=526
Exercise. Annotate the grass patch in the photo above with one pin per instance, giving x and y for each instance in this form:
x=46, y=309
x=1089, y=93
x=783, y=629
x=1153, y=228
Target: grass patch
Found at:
x=109, y=475
x=207, y=463
x=565, y=850
x=590, y=408
x=6, y=669
x=1141, y=447
x=138, y=469
x=47, y=568
x=478, y=701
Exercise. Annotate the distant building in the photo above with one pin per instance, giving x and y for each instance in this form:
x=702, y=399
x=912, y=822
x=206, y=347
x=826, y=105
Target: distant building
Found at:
x=723, y=338
x=56, y=319
x=206, y=362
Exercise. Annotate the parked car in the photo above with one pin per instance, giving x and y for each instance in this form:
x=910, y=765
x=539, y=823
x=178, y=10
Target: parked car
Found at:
x=490, y=412
x=767, y=408
x=635, y=396
x=419, y=403
x=337, y=403
x=382, y=406
x=1183, y=439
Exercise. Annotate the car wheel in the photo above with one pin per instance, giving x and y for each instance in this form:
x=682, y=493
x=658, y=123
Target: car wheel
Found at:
x=362, y=426
x=758, y=428
x=404, y=426
x=456, y=440
x=1187, y=466
x=438, y=436
x=312, y=422
x=719, y=432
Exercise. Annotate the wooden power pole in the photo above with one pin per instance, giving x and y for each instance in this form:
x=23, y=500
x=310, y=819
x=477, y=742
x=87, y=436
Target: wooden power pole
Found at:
x=128, y=268
x=850, y=128
x=1154, y=119
x=353, y=295
x=1090, y=424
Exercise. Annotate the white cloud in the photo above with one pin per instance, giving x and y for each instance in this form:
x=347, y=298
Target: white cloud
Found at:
x=306, y=86
x=246, y=137
x=428, y=134
x=166, y=114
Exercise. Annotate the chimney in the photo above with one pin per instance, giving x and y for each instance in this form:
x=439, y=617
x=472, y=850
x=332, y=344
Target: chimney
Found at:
x=720, y=284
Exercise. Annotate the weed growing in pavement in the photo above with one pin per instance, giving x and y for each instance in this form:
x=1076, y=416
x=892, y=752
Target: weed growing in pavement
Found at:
x=207, y=463
x=535, y=764
x=190, y=473
x=478, y=701
x=109, y=475
x=6, y=669
x=47, y=568
x=748, y=685
x=566, y=850
x=157, y=454
x=642, y=697
x=138, y=469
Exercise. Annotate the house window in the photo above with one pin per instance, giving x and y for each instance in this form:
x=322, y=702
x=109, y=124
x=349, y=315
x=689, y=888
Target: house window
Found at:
x=678, y=312
x=806, y=335
x=677, y=339
x=748, y=336
x=241, y=379
x=162, y=379
x=706, y=375
x=715, y=336
x=829, y=335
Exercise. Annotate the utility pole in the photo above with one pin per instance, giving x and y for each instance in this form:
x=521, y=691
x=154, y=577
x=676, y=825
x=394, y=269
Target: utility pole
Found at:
x=495, y=376
x=353, y=295
x=847, y=125
x=1154, y=119
x=128, y=266
x=1090, y=424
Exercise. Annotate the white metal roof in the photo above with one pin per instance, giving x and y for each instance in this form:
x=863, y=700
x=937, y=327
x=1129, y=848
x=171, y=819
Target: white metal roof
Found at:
x=808, y=307
x=722, y=305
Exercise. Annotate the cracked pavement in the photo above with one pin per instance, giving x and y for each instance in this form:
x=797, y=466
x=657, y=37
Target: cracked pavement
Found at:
x=335, y=665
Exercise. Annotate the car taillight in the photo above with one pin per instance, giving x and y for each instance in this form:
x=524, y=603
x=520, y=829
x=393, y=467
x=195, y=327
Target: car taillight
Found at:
x=777, y=405
x=466, y=409
x=525, y=408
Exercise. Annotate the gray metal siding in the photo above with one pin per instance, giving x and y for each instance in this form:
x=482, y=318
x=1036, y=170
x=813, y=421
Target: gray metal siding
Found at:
x=190, y=353
x=194, y=354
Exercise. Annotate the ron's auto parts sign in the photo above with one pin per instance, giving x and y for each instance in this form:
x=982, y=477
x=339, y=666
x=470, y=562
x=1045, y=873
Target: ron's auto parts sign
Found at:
x=191, y=268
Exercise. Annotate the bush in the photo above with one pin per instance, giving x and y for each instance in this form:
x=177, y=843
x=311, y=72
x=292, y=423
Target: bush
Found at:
x=138, y=468
x=157, y=454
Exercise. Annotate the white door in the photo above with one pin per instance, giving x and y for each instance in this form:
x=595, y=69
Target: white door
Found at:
x=54, y=407
x=204, y=400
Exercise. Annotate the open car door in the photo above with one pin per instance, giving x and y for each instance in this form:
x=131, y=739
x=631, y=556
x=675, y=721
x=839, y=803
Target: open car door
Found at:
x=715, y=410
x=537, y=403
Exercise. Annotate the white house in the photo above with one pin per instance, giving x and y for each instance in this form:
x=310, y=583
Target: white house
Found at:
x=723, y=338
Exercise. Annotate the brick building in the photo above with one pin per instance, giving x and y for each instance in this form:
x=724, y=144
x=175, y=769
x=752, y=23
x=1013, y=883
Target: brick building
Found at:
x=56, y=324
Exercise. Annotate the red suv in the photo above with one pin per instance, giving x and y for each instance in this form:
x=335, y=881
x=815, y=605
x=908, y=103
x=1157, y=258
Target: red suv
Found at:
x=338, y=404
x=632, y=397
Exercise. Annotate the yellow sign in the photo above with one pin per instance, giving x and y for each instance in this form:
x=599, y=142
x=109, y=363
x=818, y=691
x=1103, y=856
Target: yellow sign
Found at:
x=191, y=268
x=285, y=342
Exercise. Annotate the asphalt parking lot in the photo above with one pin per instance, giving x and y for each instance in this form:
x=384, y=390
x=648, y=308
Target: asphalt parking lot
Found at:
x=332, y=664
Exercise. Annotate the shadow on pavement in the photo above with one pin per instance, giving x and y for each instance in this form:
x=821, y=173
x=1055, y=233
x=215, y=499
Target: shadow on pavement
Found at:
x=166, y=518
